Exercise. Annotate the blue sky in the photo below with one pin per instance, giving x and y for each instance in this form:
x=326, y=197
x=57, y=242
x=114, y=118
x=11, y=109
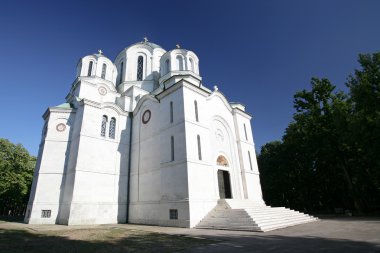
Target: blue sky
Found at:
x=257, y=52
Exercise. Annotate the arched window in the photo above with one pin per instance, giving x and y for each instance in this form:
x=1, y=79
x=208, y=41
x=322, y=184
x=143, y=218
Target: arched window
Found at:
x=104, y=69
x=222, y=161
x=199, y=147
x=104, y=126
x=191, y=65
x=245, y=132
x=250, y=161
x=112, y=128
x=180, y=62
x=89, y=68
x=172, y=147
x=140, y=68
x=167, y=66
x=196, y=110
x=171, y=111
x=121, y=72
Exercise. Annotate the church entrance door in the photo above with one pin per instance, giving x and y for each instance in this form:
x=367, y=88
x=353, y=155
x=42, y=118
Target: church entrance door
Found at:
x=224, y=184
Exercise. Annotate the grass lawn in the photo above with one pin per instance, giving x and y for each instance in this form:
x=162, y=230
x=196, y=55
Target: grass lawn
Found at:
x=94, y=240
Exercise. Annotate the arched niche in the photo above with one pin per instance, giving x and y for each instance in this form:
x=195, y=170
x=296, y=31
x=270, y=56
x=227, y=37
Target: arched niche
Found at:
x=222, y=161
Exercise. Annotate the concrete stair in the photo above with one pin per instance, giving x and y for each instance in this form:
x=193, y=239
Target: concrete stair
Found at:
x=243, y=214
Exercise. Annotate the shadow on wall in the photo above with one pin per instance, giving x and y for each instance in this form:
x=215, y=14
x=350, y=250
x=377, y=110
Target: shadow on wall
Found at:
x=124, y=153
x=62, y=215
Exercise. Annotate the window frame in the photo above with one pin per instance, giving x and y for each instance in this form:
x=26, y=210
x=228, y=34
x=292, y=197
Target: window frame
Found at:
x=140, y=68
x=250, y=160
x=196, y=110
x=104, y=71
x=121, y=72
x=172, y=157
x=112, y=128
x=90, y=67
x=103, y=126
x=171, y=112
x=199, y=147
x=245, y=132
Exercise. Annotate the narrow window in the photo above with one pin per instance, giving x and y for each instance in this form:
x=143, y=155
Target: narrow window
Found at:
x=89, y=69
x=45, y=213
x=245, y=132
x=172, y=147
x=140, y=68
x=199, y=147
x=167, y=66
x=250, y=161
x=180, y=62
x=171, y=112
x=112, y=128
x=104, y=126
x=104, y=69
x=121, y=72
x=173, y=214
x=196, y=110
x=191, y=65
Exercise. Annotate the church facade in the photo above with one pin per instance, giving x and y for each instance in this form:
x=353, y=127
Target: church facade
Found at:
x=142, y=140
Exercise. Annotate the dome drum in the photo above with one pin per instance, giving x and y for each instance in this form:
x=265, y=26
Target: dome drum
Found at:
x=97, y=65
x=179, y=60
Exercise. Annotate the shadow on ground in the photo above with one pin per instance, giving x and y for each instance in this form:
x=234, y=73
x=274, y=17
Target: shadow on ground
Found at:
x=117, y=240
x=276, y=243
x=95, y=241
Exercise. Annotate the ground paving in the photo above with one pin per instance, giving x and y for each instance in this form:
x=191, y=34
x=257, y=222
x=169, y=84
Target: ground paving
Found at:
x=342, y=234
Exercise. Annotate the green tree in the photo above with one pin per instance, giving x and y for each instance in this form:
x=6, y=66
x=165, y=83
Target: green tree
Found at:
x=364, y=93
x=329, y=154
x=16, y=173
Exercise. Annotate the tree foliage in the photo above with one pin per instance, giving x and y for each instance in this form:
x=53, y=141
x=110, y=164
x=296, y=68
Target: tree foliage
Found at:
x=16, y=173
x=329, y=155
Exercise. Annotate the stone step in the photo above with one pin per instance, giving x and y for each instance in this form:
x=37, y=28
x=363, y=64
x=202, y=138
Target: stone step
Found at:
x=227, y=214
x=249, y=216
x=279, y=222
x=261, y=218
x=251, y=223
x=241, y=228
x=237, y=211
x=282, y=217
x=265, y=228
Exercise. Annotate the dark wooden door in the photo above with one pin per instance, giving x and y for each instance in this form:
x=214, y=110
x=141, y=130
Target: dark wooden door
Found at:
x=224, y=184
x=227, y=185
x=222, y=192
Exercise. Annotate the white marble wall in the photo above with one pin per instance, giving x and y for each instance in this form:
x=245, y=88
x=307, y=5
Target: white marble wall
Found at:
x=82, y=177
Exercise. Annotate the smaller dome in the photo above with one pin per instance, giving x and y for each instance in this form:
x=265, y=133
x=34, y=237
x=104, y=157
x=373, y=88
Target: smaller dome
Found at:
x=99, y=54
x=179, y=59
x=97, y=65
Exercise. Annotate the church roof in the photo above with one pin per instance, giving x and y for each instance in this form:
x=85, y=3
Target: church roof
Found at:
x=64, y=105
x=150, y=44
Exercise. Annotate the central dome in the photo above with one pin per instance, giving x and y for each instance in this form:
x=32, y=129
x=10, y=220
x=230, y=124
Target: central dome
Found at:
x=152, y=45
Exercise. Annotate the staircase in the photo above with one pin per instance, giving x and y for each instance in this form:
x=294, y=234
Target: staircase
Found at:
x=243, y=214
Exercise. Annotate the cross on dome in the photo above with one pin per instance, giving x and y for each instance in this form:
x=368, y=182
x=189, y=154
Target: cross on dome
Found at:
x=145, y=39
x=178, y=46
x=100, y=51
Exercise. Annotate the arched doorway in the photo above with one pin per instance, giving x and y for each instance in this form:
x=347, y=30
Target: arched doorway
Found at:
x=224, y=182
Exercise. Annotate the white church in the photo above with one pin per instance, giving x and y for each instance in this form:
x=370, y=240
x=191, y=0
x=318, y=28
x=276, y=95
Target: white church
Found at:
x=141, y=140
